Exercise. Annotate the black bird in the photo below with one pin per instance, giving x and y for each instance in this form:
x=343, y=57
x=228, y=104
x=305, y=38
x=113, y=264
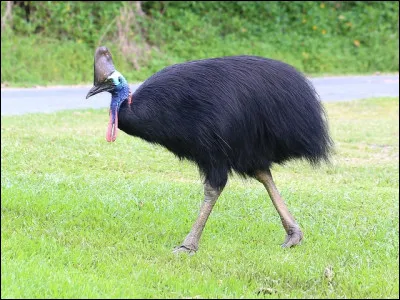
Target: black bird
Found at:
x=230, y=114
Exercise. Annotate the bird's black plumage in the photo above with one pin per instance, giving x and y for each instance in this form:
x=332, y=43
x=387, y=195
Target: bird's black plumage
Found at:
x=239, y=113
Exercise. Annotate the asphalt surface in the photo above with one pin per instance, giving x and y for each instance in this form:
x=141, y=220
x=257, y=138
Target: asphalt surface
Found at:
x=17, y=101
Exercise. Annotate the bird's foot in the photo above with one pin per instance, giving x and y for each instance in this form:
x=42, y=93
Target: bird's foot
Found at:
x=293, y=237
x=184, y=249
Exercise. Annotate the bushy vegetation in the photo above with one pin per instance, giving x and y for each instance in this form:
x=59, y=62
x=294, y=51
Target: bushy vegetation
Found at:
x=53, y=42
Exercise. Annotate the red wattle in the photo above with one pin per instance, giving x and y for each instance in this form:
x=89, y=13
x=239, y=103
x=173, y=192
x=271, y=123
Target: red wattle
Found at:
x=112, y=129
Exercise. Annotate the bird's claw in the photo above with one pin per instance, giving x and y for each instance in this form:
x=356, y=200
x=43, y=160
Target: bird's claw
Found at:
x=184, y=249
x=293, y=237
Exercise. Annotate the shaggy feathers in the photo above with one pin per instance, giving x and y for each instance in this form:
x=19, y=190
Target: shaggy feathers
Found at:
x=240, y=113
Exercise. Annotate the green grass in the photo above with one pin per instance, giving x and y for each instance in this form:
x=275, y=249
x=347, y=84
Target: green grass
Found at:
x=82, y=218
x=52, y=62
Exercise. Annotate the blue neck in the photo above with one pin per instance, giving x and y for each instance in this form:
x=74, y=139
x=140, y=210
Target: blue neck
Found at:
x=119, y=94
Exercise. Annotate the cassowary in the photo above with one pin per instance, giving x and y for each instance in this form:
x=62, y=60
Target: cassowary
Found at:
x=230, y=114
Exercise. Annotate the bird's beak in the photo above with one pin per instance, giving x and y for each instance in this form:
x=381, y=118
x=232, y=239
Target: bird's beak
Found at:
x=96, y=89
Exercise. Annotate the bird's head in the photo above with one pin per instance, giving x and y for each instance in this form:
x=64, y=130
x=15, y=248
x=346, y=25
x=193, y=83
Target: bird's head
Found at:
x=108, y=79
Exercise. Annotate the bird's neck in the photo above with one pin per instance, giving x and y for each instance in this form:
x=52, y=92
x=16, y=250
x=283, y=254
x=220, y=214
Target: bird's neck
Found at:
x=119, y=95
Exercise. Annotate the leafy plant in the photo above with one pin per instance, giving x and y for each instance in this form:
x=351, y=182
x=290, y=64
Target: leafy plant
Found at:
x=333, y=37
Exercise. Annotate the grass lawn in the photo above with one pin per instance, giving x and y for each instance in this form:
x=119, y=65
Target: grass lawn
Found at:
x=82, y=218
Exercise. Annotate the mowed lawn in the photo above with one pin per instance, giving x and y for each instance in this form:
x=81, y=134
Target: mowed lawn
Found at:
x=83, y=218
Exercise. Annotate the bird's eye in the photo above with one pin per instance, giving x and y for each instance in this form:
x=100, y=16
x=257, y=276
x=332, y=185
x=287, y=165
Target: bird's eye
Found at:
x=113, y=81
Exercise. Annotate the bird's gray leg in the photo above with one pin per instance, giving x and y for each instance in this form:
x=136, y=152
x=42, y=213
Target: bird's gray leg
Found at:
x=191, y=242
x=294, y=234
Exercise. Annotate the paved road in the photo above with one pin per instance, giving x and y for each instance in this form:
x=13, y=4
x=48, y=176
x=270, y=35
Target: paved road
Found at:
x=46, y=100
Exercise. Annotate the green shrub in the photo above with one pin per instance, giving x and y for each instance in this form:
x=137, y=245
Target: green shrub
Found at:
x=328, y=37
